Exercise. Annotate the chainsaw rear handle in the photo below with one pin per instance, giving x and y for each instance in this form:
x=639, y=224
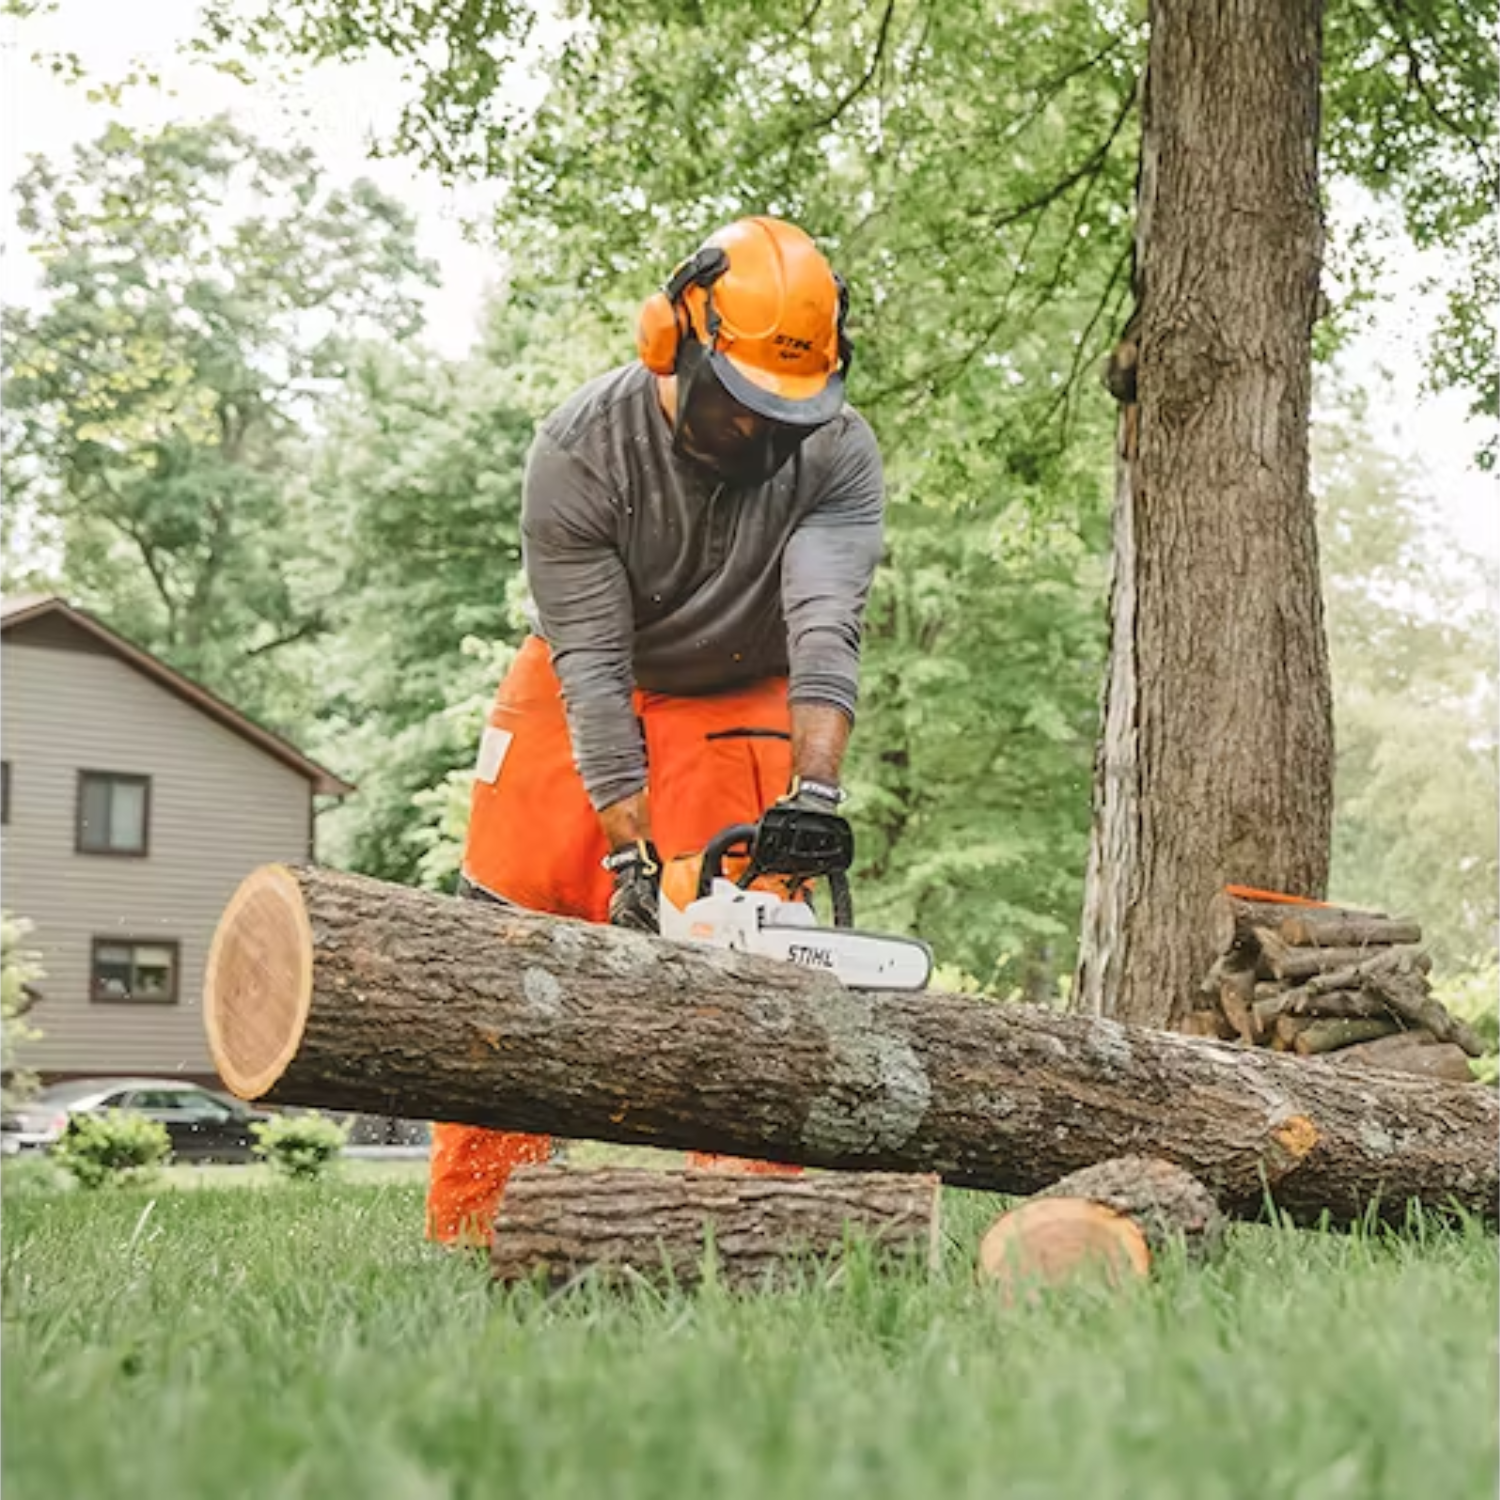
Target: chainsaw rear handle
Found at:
x=741, y=836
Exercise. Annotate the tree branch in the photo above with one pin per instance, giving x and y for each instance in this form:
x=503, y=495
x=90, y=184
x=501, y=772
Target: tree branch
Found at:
x=861, y=84
x=148, y=556
x=1080, y=349
x=1037, y=207
x=1054, y=86
x=808, y=17
x=1088, y=167
x=313, y=625
x=1394, y=11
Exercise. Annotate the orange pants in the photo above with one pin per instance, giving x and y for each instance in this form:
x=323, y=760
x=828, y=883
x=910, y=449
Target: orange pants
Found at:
x=534, y=839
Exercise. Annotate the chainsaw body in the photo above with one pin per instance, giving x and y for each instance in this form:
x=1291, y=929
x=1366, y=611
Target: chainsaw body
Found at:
x=720, y=899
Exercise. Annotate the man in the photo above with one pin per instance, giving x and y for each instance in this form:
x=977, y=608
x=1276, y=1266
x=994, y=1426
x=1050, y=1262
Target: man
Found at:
x=700, y=529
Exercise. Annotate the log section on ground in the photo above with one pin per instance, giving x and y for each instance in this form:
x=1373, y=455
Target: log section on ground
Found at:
x=347, y=993
x=558, y=1222
x=1114, y=1219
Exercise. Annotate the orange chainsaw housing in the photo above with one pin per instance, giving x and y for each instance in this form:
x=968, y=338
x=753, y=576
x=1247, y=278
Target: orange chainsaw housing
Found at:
x=680, y=876
x=535, y=840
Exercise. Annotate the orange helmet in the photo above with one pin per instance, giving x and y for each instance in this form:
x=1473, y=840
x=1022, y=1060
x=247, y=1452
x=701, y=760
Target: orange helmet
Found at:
x=767, y=309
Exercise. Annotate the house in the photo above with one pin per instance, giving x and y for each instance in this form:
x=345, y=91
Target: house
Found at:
x=133, y=802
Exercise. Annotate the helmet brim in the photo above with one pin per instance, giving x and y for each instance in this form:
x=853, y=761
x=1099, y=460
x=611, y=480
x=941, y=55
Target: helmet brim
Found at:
x=792, y=400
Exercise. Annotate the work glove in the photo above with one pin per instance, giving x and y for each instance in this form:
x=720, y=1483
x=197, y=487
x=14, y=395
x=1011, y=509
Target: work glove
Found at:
x=804, y=833
x=636, y=900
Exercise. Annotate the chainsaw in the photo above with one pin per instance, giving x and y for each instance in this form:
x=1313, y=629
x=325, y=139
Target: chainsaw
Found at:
x=723, y=899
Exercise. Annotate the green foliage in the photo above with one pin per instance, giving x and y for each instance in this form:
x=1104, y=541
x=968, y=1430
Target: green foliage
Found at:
x=202, y=293
x=417, y=490
x=915, y=136
x=971, y=764
x=118, y=1149
x=1409, y=110
x=1410, y=621
x=971, y=172
x=301, y=1147
x=274, y=1341
x=1474, y=996
x=20, y=968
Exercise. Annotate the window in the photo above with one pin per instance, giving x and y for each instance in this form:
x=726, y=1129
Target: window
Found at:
x=134, y=972
x=188, y=1104
x=114, y=813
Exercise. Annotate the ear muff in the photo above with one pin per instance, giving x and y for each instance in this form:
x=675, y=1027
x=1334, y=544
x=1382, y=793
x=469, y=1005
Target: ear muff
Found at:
x=662, y=322
x=657, y=333
x=846, y=344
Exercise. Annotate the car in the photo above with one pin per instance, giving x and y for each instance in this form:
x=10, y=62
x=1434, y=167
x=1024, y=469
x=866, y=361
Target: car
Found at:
x=203, y=1125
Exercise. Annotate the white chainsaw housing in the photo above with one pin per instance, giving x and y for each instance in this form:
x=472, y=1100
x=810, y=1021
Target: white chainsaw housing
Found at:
x=760, y=922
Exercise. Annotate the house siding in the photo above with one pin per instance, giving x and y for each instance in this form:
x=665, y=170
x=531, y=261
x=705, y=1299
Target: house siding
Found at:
x=218, y=808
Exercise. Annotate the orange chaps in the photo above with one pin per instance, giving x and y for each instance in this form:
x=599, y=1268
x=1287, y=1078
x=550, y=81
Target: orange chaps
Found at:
x=534, y=839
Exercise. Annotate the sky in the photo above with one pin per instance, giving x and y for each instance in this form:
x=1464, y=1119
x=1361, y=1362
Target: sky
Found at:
x=339, y=109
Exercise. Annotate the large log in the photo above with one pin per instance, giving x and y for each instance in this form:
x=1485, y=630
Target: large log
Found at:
x=333, y=990
x=559, y=1222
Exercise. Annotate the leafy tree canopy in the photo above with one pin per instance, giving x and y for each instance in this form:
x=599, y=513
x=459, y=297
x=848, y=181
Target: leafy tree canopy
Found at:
x=967, y=164
x=201, y=294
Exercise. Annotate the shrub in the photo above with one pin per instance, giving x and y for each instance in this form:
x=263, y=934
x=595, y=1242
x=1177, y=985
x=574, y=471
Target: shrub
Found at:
x=117, y=1148
x=1471, y=995
x=20, y=968
x=299, y=1146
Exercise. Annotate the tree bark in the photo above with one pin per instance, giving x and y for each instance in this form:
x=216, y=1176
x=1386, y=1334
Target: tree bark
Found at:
x=558, y=1222
x=337, y=991
x=1116, y=1217
x=1216, y=761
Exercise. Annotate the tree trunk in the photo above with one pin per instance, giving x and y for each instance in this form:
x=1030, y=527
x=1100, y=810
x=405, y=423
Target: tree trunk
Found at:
x=1216, y=760
x=1115, y=1218
x=559, y=1222
x=337, y=991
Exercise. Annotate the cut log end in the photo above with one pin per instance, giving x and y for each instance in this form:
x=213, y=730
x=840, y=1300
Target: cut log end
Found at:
x=258, y=982
x=1111, y=1219
x=1051, y=1241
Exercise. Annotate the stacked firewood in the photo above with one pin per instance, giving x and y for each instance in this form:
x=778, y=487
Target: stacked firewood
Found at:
x=1327, y=981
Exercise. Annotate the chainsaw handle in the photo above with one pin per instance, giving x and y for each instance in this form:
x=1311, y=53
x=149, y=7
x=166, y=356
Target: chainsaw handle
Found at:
x=715, y=850
x=843, y=899
x=737, y=834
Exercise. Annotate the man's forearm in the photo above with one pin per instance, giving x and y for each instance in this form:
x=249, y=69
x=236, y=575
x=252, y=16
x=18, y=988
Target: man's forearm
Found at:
x=820, y=736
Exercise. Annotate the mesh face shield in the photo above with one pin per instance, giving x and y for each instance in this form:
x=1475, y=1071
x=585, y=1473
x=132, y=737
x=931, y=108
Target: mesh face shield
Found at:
x=723, y=435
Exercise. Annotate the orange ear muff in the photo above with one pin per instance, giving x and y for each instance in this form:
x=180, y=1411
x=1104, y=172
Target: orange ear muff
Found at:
x=661, y=323
x=657, y=332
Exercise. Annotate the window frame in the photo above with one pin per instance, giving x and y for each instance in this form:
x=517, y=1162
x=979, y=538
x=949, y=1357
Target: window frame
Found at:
x=132, y=778
x=174, y=995
x=4, y=792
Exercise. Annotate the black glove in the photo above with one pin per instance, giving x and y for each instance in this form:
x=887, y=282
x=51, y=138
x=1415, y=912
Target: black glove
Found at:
x=636, y=901
x=804, y=834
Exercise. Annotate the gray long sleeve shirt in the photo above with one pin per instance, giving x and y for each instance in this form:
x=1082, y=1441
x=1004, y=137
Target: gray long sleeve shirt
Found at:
x=646, y=573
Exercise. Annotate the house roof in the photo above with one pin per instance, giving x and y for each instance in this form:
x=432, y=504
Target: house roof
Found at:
x=26, y=609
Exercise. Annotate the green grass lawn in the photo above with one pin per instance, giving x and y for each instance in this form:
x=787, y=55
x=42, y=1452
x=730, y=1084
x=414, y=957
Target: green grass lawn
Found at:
x=277, y=1341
